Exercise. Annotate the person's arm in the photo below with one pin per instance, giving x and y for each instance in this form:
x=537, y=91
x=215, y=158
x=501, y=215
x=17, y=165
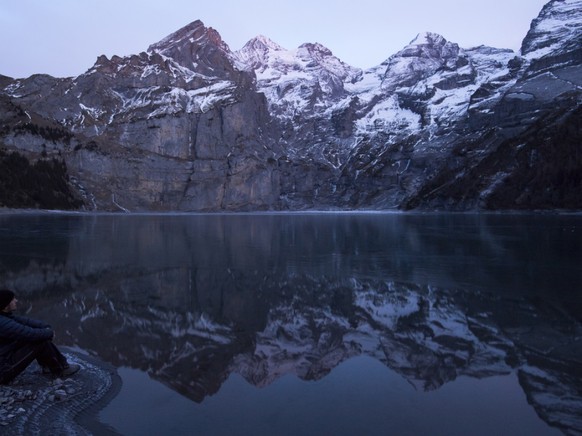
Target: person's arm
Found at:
x=31, y=322
x=11, y=328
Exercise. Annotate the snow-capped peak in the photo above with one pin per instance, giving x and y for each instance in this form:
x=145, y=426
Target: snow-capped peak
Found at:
x=261, y=42
x=257, y=52
x=429, y=45
x=426, y=54
x=293, y=80
x=558, y=28
x=428, y=38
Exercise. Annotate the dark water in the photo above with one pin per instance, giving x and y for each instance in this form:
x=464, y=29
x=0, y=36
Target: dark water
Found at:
x=316, y=324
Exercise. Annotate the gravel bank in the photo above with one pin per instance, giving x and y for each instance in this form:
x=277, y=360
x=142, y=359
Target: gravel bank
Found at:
x=37, y=404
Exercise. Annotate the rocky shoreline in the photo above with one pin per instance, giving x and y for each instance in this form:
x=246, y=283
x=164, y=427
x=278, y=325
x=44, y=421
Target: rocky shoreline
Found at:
x=36, y=404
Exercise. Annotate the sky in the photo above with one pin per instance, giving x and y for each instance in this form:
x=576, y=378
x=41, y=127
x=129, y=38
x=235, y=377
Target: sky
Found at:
x=63, y=38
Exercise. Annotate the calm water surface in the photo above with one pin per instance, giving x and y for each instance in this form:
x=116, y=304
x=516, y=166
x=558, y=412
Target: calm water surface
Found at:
x=315, y=323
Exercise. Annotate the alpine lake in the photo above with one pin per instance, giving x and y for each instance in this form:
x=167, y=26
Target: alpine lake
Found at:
x=314, y=323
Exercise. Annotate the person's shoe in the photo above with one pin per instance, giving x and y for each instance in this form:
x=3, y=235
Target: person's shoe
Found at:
x=70, y=370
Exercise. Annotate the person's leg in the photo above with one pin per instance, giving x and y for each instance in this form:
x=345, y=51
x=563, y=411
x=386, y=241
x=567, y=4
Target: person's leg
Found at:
x=46, y=354
x=50, y=357
x=19, y=361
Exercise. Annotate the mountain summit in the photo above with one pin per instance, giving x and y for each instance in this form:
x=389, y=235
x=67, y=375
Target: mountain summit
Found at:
x=197, y=48
x=190, y=125
x=558, y=29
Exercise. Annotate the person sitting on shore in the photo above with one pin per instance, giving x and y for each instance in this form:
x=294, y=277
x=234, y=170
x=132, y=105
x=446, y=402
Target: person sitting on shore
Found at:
x=23, y=340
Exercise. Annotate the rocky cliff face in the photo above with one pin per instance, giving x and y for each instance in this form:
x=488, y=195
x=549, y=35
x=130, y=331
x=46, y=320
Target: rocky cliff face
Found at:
x=191, y=125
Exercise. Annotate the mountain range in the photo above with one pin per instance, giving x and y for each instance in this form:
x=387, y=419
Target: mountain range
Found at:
x=190, y=125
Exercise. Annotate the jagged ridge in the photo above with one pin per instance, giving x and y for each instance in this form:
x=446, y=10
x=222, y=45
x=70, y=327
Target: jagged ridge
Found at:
x=191, y=125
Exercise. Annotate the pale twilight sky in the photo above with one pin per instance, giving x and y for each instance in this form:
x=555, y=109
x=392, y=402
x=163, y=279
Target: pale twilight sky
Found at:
x=65, y=37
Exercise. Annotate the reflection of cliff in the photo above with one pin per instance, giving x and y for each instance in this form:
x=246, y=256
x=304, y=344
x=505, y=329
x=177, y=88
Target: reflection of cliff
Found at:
x=264, y=327
x=469, y=251
x=25, y=244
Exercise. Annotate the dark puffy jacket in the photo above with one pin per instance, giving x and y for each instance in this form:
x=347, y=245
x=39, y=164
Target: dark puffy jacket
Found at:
x=16, y=329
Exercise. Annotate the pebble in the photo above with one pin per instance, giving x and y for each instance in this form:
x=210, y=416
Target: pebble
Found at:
x=14, y=397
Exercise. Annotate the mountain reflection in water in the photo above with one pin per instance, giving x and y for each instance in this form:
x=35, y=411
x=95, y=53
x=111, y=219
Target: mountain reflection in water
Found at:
x=192, y=299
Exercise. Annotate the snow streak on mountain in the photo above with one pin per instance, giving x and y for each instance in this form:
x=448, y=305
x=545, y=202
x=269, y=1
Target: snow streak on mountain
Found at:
x=191, y=125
